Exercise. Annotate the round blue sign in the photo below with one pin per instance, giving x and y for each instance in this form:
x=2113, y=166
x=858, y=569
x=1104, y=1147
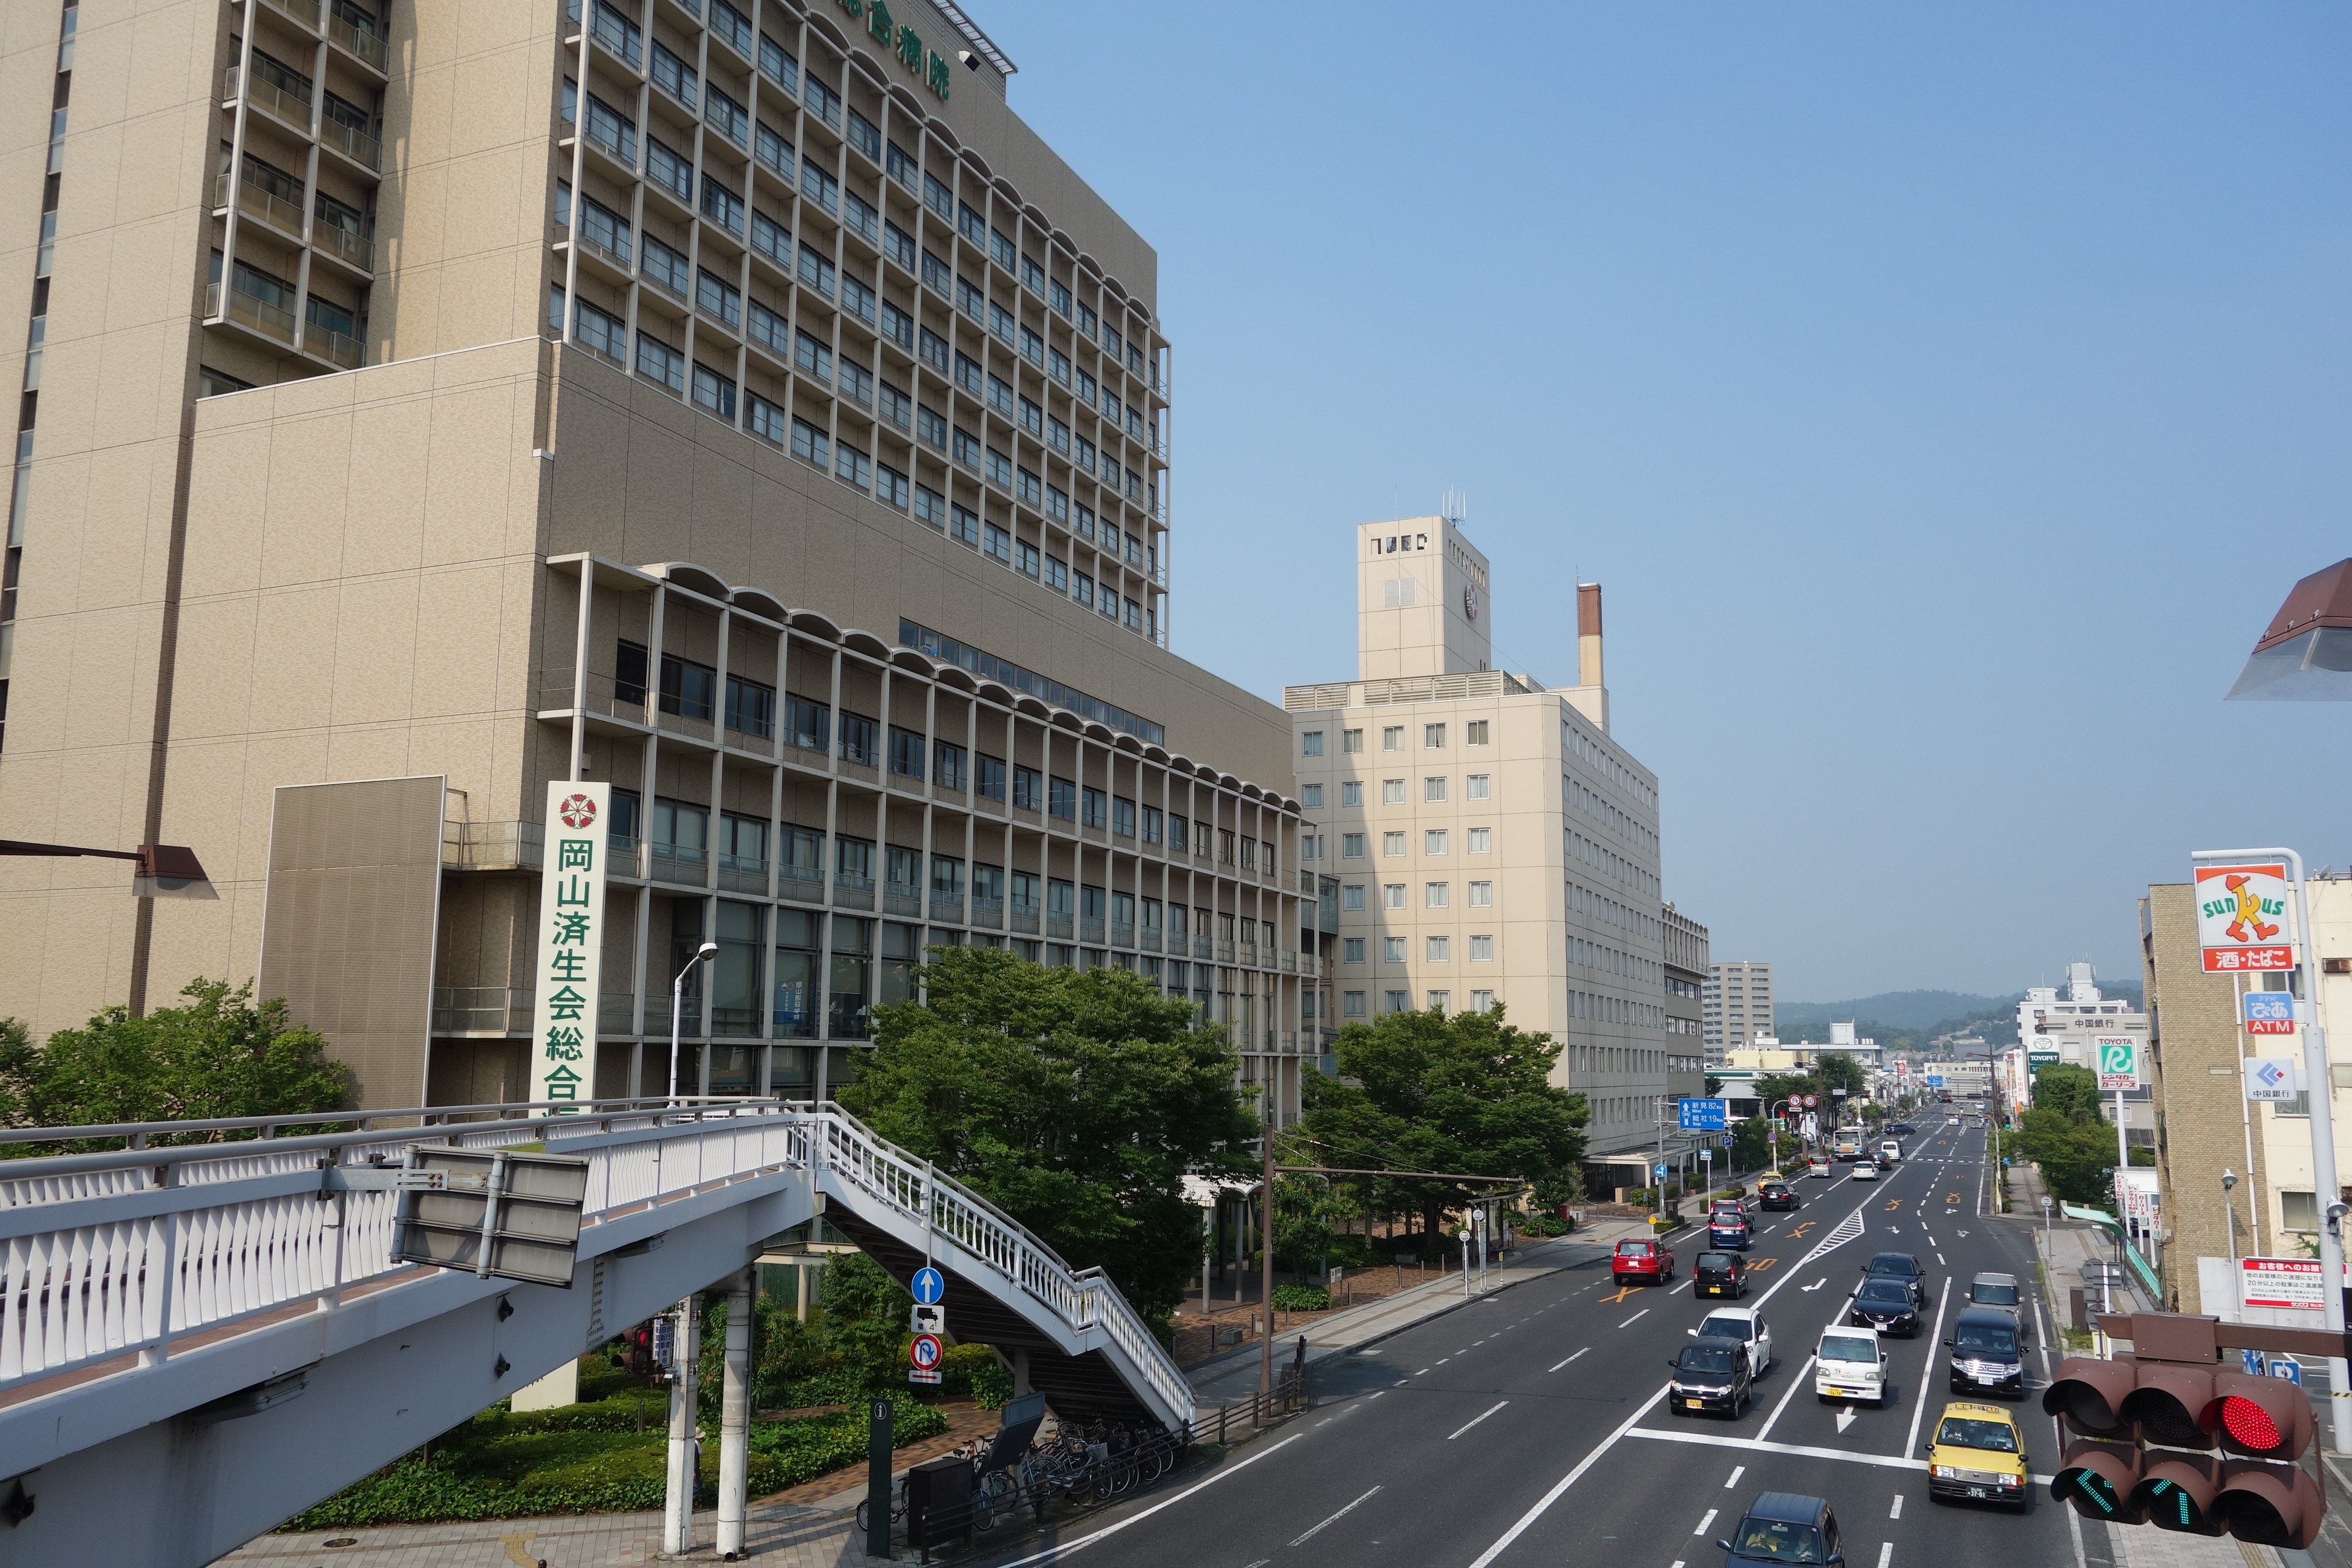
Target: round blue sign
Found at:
x=930, y=1286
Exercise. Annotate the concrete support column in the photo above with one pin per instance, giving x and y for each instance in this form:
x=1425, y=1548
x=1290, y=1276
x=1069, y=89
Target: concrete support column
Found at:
x=735, y=1419
x=678, y=1499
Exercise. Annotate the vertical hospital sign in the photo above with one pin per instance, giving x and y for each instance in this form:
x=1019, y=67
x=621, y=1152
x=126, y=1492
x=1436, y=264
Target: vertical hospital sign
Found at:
x=570, y=940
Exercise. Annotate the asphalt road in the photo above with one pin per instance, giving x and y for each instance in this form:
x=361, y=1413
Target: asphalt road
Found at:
x=1529, y=1427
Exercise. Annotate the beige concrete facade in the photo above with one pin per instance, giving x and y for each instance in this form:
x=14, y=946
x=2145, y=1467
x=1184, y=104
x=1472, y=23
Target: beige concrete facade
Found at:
x=730, y=313
x=1735, y=1006
x=2204, y=1125
x=1491, y=844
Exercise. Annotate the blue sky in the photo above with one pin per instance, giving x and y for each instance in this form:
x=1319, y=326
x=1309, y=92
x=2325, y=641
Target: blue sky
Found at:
x=1946, y=399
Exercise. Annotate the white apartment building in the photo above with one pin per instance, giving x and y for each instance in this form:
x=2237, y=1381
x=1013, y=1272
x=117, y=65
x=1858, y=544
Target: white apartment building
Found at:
x=1734, y=1007
x=1491, y=842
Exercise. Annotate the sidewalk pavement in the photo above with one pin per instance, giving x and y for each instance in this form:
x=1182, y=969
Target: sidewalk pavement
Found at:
x=778, y=1533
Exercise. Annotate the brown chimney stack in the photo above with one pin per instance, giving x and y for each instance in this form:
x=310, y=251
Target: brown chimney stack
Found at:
x=1588, y=634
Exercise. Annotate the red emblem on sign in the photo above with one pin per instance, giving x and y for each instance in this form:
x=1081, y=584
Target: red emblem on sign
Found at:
x=576, y=811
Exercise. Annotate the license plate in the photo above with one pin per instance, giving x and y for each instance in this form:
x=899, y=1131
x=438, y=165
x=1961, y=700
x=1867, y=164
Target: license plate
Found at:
x=1978, y=1491
x=1694, y=1404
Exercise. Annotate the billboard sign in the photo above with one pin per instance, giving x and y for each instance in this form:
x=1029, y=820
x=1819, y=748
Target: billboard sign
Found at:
x=2242, y=918
x=2293, y=1284
x=2120, y=1060
x=2273, y=1078
x=2267, y=1012
x=570, y=940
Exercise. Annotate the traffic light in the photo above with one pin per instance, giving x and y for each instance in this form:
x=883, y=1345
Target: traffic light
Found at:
x=2136, y=1441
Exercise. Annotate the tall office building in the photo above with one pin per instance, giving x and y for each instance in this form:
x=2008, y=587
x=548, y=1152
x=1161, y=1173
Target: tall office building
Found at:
x=1492, y=843
x=1734, y=1007
x=730, y=401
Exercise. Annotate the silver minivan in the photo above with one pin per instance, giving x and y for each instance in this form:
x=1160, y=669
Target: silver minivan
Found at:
x=1850, y=1364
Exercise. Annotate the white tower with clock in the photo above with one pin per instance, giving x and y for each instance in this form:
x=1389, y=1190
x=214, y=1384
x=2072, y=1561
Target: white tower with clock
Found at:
x=1422, y=600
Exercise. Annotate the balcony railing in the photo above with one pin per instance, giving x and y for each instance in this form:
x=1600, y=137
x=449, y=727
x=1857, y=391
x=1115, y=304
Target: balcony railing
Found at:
x=1248, y=955
x=330, y=344
x=1058, y=926
x=1090, y=930
x=948, y=907
x=270, y=208
x=340, y=242
x=303, y=11
x=1224, y=952
x=1024, y=918
x=1203, y=948
x=257, y=313
x=617, y=1014
x=853, y=893
x=737, y=875
x=355, y=39
x=355, y=143
x=988, y=913
x=1122, y=934
x=899, y=899
x=480, y=1010
x=1149, y=940
x=803, y=883
x=291, y=107
x=678, y=864
x=493, y=846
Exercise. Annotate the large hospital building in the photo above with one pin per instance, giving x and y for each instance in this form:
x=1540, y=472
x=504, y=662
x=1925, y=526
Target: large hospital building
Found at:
x=732, y=402
x=1491, y=840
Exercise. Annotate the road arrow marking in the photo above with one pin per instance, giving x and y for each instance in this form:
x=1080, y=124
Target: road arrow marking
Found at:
x=1816, y=1284
x=1845, y=1417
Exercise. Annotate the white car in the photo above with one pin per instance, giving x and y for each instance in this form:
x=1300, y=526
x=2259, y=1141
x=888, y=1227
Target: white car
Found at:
x=1865, y=1172
x=1743, y=1323
x=1890, y=1150
x=1850, y=1364
x=1820, y=1169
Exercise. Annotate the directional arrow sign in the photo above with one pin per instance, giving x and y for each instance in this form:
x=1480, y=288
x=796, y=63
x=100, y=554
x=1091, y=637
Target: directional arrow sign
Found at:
x=930, y=1286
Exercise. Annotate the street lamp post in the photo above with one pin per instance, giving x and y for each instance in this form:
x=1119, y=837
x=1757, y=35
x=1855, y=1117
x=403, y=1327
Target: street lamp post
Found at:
x=2230, y=1214
x=677, y=1010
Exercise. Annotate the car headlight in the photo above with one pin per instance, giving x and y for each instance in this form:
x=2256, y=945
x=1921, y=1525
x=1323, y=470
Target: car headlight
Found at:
x=1946, y=1473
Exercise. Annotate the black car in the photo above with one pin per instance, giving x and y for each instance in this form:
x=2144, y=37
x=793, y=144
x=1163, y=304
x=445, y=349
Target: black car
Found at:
x=1710, y=1374
x=1988, y=1352
x=1776, y=1195
x=1784, y=1528
x=1899, y=1265
x=1719, y=1274
x=1902, y=1129
x=1886, y=1305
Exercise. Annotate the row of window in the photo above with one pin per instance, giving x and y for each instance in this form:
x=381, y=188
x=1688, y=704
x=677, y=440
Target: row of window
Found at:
x=1474, y=732
x=1434, y=790
x=1434, y=948
x=1352, y=1003
x=1433, y=895
x=1434, y=841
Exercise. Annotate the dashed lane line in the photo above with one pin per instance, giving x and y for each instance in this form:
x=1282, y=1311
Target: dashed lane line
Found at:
x=1335, y=1519
x=1557, y=1365
x=1475, y=1419
x=1635, y=1317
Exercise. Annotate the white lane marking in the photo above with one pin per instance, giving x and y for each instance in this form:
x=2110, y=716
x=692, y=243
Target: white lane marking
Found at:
x=1919, y=1406
x=1557, y=1365
x=1844, y=1416
x=1559, y=1488
x=1816, y=1284
x=1754, y=1445
x=1064, y=1548
x=1885, y=1554
x=1378, y=1392
x=1399, y=1384
x=1704, y=1522
x=1636, y=1317
x=1475, y=1419
x=1343, y=1514
x=1736, y=1471
x=1442, y=1360
x=1897, y=1511
x=1940, y=1258
x=1795, y=1382
x=1679, y=1288
x=1423, y=1373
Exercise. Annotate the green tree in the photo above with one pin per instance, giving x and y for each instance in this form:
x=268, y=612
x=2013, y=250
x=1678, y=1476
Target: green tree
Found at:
x=1076, y=1102
x=2062, y=1132
x=1464, y=1093
x=2071, y=1090
x=220, y=1055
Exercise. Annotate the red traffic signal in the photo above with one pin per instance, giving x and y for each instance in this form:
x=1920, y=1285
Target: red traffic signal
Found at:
x=2266, y=1497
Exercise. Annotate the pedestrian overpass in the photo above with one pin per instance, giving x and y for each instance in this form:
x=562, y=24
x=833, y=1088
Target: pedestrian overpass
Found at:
x=198, y=1340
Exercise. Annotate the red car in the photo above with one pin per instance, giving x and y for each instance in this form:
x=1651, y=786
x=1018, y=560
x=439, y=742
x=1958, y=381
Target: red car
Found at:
x=1636, y=1259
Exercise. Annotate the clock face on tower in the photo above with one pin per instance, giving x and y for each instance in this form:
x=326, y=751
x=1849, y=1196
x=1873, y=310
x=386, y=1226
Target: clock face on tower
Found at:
x=1470, y=601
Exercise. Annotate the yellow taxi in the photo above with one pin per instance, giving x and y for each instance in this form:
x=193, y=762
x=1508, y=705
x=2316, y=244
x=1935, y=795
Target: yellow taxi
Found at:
x=1977, y=1454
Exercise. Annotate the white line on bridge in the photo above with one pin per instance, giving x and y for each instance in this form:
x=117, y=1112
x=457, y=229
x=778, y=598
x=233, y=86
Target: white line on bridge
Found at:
x=1333, y=1520
x=1472, y=1422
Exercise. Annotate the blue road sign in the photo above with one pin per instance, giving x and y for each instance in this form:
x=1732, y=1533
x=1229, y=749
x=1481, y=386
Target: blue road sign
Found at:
x=2252, y=1363
x=1660, y=1169
x=930, y=1286
x=1699, y=1115
x=1934, y=1081
x=2288, y=1369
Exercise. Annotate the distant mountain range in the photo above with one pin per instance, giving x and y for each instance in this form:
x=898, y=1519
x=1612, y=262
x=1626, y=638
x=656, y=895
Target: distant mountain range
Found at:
x=1912, y=1018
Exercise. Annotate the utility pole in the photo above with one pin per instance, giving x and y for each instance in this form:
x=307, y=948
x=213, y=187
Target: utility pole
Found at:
x=1265, y=1263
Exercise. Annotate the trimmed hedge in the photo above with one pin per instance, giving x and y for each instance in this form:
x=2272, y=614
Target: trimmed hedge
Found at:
x=1302, y=1298
x=590, y=1459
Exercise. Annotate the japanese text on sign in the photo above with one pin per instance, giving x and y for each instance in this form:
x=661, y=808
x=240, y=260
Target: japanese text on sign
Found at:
x=2242, y=918
x=570, y=942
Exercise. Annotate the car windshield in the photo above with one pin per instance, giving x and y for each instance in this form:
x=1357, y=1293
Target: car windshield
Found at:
x=1849, y=1347
x=1715, y=1260
x=1778, y=1540
x=1994, y=1295
x=1706, y=1358
x=1884, y=1293
x=1725, y=1327
x=1632, y=1249
x=1966, y=1432
x=1993, y=1339
x=1893, y=1264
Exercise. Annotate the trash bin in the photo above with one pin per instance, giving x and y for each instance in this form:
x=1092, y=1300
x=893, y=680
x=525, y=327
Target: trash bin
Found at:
x=939, y=1502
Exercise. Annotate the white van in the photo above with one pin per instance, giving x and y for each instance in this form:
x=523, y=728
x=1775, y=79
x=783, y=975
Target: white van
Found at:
x=1850, y=1364
x=1890, y=1150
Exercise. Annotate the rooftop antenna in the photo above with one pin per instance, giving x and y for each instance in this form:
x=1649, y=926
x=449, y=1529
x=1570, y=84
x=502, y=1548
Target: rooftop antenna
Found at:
x=1453, y=506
